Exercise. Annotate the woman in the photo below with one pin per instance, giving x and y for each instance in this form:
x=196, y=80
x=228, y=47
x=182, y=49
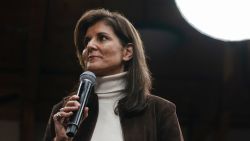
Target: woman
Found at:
x=121, y=107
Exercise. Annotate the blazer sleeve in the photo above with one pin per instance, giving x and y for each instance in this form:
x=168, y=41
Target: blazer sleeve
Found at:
x=50, y=129
x=168, y=124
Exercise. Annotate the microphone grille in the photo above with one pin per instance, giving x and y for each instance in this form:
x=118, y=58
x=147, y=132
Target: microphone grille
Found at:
x=88, y=75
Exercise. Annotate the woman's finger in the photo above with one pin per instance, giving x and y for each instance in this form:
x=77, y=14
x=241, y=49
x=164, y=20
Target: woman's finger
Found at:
x=72, y=103
x=86, y=112
x=60, y=116
x=74, y=97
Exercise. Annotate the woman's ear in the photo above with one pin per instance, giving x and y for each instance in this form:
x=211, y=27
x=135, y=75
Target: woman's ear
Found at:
x=128, y=52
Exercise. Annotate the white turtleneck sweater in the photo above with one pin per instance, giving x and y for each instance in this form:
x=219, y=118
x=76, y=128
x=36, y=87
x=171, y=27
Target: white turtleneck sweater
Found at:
x=109, y=89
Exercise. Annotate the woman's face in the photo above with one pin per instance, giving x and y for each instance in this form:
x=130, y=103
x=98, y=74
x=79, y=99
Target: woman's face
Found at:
x=103, y=53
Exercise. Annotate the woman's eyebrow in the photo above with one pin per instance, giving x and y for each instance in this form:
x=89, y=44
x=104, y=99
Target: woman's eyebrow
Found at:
x=103, y=33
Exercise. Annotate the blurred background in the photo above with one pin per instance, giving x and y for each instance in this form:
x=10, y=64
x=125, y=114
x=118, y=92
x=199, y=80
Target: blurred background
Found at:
x=207, y=79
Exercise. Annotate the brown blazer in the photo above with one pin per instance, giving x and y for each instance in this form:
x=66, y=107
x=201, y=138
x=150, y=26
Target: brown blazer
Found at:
x=158, y=122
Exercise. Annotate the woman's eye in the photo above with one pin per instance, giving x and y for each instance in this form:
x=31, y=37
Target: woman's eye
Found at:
x=103, y=38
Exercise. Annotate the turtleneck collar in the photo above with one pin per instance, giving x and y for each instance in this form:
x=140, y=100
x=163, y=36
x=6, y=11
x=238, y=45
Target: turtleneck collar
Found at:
x=110, y=84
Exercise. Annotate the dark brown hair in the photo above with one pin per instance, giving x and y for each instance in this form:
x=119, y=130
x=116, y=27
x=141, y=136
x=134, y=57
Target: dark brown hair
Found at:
x=138, y=84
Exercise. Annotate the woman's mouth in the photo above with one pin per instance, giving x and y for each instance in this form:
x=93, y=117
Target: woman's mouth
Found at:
x=92, y=57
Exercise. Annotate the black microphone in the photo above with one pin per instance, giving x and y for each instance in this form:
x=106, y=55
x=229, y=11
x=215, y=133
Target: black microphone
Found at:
x=87, y=81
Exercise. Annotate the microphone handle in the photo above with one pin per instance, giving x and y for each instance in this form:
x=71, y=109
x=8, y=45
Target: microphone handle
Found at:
x=83, y=93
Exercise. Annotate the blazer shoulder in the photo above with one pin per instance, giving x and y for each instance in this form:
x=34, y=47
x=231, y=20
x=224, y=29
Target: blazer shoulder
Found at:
x=161, y=103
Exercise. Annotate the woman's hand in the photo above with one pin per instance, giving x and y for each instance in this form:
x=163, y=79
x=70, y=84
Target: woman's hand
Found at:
x=61, y=118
